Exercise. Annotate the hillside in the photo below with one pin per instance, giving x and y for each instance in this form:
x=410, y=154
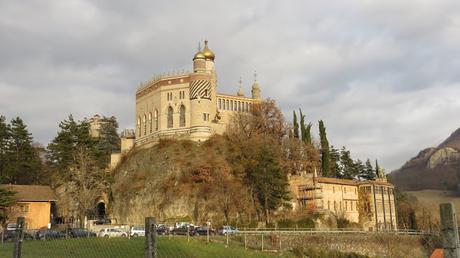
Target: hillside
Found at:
x=432, y=168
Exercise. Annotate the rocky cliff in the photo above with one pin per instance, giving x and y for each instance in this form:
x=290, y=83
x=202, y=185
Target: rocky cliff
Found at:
x=433, y=168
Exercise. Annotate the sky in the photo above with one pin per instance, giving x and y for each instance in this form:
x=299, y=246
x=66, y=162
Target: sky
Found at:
x=383, y=75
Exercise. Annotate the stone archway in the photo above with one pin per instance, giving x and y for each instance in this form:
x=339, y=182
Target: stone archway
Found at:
x=101, y=210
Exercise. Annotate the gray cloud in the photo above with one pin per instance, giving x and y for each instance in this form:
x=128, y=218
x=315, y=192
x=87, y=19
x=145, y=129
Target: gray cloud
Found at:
x=382, y=75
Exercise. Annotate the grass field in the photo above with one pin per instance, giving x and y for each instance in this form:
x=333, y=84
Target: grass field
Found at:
x=432, y=198
x=126, y=248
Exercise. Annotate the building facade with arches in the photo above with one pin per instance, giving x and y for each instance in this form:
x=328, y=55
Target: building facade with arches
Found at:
x=186, y=105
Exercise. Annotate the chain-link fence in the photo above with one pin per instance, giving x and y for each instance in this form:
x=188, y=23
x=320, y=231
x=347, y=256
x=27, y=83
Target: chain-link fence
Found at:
x=151, y=240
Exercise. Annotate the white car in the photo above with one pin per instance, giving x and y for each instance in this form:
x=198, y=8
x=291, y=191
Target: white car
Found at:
x=112, y=232
x=137, y=231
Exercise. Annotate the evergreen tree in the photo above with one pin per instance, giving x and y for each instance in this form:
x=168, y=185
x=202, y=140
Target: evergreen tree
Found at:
x=71, y=137
x=347, y=164
x=24, y=164
x=307, y=136
x=302, y=125
x=335, y=163
x=325, y=155
x=369, y=173
x=270, y=183
x=6, y=201
x=108, y=141
x=377, y=168
x=5, y=136
x=296, y=125
x=305, y=130
x=358, y=168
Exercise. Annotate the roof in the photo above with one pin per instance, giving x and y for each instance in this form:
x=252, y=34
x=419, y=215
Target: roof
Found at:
x=32, y=193
x=329, y=180
x=437, y=253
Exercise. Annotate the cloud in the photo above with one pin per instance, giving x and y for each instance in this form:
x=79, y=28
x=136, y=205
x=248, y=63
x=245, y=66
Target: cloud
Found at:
x=382, y=75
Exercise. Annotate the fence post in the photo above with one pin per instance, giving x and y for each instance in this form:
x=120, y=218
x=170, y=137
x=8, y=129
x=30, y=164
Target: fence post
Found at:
x=245, y=242
x=19, y=237
x=262, y=241
x=227, y=240
x=150, y=238
x=449, y=231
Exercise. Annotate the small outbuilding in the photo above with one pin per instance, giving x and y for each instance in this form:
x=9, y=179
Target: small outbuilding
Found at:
x=34, y=203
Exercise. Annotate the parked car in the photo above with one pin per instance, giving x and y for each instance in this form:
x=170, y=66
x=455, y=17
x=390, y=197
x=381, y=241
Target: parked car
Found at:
x=103, y=221
x=11, y=226
x=203, y=231
x=137, y=231
x=224, y=230
x=184, y=230
x=112, y=232
x=80, y=232
x=44, y=234
x=10, y=235
x=162, y=229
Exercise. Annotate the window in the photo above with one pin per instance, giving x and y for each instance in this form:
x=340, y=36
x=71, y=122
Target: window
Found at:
x=204, y=116
x=150, y=122
x=231, y=104
x=139, y=126
x=205, y=93
x=207, y=117
x=144, y=120
x=170, y=117
x=182, y=116
x=226, y=105
x=247, y=106
x=156, y=120
x=220, y=104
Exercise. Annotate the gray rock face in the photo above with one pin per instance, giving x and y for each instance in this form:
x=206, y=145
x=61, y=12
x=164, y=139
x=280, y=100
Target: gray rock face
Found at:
x=444, y=156
x=433, y=168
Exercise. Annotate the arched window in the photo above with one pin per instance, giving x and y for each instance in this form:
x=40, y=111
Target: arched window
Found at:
x=170, y=117
x=150, y=122
x=231, y=105
x=247, y=107
x=226, y=105
x=182, y=116
x=144, y=120
x=139, y=126
x=156, y=120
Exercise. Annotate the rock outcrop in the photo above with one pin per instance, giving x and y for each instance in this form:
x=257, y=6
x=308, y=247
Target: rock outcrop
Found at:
x=433, y=168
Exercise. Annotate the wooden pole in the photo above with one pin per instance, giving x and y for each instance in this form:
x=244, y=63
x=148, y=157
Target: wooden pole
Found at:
x=150, y=238
x=262, y=241
x=449, y=231
x=245, y=242
x=19, y=237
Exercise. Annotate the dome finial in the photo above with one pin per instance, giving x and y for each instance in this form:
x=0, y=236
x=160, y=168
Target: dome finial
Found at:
x=199, y=54
x=255, y=76
x=207, y=52
x=240, y=92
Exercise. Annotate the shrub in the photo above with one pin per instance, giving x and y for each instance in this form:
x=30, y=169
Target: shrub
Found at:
x=324, y=253
x=286, y=223
x=306, y=222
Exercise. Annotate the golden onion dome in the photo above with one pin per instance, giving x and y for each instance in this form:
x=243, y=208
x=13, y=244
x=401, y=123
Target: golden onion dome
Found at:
x=207, y=52
x=199, y=55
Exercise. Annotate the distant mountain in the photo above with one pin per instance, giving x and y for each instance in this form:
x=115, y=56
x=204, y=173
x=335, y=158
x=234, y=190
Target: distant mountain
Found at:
x=433, y=168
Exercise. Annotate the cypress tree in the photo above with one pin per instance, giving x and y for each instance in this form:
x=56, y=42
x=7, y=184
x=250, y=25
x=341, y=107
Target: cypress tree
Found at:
x=308, y=134
x=325, y=155
x=377, y=169
x=296, y=125
x=302, y=125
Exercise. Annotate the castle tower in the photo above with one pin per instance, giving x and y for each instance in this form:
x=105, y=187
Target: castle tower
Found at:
x=255, y=91
x=203, y=83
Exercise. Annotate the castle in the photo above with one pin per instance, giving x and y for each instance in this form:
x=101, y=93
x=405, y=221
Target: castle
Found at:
x=186, y=105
